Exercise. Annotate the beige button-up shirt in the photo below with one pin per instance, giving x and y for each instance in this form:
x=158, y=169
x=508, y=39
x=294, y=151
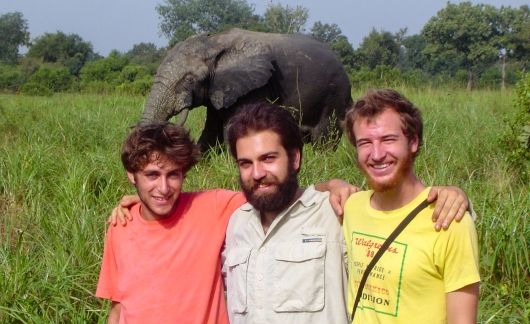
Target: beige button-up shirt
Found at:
x=295, y=273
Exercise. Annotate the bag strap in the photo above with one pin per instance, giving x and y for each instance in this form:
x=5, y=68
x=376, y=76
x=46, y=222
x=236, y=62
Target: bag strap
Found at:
x=382, y=250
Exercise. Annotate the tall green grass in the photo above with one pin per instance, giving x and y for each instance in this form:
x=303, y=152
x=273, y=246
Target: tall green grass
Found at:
x=60, y=175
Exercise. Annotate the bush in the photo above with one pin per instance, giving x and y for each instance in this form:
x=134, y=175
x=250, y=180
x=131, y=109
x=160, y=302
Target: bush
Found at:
x=516, y=139
x=137, y=87
x=35, y=89
x=131, y=73
x=48, y=79
x=107, y=69
x=11, y=78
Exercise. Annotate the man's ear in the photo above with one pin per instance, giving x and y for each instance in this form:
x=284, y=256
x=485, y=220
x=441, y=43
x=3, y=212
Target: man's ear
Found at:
x=296, y=160
x=413, y=144
x=130, y=175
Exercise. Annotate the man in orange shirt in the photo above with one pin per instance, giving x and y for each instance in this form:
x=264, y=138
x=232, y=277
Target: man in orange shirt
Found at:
x=168, y=257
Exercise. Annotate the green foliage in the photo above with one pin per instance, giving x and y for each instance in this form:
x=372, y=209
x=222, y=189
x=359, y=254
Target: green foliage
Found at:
x=378, y=48
x=107, y=69
x=146, y=54
x=183, y=18
x=285, y=20
x=326, y=33
x=47, y=80
x=514, y=33
x=332, y=35
x=516, y=139
x=139, y=86
x=69, y=50
x=411, y=53
x=11, y=78
x=13, y=34
x=465, y=31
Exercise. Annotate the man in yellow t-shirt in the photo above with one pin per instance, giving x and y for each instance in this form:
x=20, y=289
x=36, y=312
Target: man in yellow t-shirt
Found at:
x=424, y=276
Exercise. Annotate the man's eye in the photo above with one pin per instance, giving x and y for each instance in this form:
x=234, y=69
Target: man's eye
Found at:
x=243, y=164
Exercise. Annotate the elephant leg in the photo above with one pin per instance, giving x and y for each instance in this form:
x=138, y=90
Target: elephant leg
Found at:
x=212, y=134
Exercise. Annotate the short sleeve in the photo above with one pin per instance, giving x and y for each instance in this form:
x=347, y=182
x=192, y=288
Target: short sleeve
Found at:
x=456, y=255
x=108, y=274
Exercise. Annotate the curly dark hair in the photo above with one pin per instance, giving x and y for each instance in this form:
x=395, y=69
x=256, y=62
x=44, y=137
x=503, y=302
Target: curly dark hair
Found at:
x=374, y=102
x=148, y=141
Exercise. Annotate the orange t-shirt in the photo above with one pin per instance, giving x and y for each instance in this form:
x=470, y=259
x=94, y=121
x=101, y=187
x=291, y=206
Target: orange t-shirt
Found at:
x=169, y=271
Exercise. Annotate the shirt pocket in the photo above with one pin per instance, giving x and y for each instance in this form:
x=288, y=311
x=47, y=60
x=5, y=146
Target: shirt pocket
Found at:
x=236, y=279
x=299, y=275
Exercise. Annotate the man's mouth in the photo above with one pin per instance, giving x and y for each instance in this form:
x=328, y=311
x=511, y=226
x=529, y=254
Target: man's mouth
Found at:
x=381, y=166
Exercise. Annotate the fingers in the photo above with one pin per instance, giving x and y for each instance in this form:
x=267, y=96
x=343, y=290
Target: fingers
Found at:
x=451, y=204
x=121, y=213
x=129, y=200
x=112, y=220
x=336, y=204
x=433, y=195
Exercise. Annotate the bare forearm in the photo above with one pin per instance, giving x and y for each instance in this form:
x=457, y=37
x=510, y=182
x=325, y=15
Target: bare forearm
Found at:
x=114, y=313
x=462, y=305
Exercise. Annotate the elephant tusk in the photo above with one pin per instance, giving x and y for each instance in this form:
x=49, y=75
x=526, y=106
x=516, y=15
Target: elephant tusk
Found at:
x=182, y=116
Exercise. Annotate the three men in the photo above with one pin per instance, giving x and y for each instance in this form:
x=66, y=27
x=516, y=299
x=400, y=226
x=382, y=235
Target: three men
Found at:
x=284, y=250
x=424, y=276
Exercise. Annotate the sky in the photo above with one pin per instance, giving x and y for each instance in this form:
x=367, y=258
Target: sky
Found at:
x=119, y=24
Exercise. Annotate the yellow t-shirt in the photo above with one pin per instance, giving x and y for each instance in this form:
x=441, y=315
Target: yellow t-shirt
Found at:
x=408, y=284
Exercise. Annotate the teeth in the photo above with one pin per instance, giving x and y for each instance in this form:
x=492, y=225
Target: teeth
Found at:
x=380, y=166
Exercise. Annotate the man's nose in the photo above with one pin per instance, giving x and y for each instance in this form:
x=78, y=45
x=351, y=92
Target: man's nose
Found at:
x=258, y=171
x=378, y=152
x=163, y=185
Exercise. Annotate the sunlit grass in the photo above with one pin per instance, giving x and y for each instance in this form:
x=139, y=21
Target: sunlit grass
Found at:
x=60, y=175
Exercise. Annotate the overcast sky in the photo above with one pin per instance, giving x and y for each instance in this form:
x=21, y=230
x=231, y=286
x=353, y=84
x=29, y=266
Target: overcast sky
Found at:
x=119, y=24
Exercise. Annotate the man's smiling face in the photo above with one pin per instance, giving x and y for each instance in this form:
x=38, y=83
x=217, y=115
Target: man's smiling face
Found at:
x=268, y=176
x=384, y=153
x=158, y=185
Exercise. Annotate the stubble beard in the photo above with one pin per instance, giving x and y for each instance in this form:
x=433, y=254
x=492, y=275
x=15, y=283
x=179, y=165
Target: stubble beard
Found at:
x=403, y=169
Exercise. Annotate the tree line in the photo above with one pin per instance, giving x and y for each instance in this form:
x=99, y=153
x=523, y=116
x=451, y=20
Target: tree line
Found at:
x=462, y=45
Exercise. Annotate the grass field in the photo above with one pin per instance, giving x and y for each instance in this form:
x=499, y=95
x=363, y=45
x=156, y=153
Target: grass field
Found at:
x=60, y=175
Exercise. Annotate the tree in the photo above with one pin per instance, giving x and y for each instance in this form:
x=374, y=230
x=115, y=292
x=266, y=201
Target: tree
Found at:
x=146, y=54
x=325, y=32
x=183, y=18
x=378, y=48
x=411, y=55
x=332, y=35
x=13, y=34
x=287, y=20
x=514, y=36
x=70, y=50
x=466, y=32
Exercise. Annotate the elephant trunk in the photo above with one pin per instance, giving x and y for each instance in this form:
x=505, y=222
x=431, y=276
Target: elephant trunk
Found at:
x=164, y=103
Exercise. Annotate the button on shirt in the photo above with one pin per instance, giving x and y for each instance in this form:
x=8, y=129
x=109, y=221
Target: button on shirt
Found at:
x=295, y=273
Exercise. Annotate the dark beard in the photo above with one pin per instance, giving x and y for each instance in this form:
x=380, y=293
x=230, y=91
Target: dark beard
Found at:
x=274, y=202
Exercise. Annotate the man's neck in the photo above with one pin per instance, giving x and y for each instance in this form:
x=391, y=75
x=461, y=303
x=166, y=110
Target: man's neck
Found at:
x=398, y=196
x=268, y=217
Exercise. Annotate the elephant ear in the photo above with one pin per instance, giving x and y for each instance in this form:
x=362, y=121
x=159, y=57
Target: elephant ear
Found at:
x=240, y=70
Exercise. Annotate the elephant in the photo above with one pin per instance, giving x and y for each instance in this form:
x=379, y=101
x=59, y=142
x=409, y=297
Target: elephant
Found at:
x=225, y=71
